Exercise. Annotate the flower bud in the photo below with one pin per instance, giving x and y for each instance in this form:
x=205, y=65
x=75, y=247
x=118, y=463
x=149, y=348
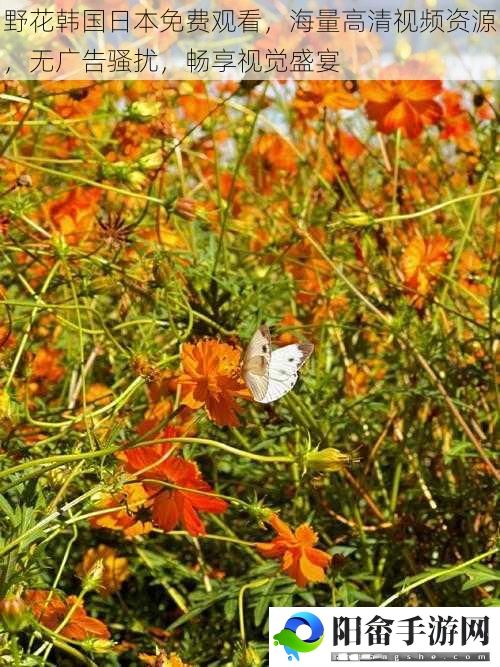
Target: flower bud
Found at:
x=258, y=511
x=96, y=645
x=137, y=180
x=246, y=656
x=151, y=160
x=185, y=207
x=162, y=271
x=61, y=246
x=143, y=111
x=326, y=460
x=93, y=577
x=357, y=219
x=13, y=613
x=9, y=409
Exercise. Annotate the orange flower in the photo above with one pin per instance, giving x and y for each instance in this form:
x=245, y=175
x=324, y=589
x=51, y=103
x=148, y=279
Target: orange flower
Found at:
x=399, y=103
x=130, y=137
x=51, y=612
x=271, y=158
x=194, y=101
x=115, y=569
x=289, y=323
x=133, y=516
x=74, y=213
x=457, y=125
x=313, y=97
x=329, y=309
x=171, y=507
x=45, y=365
x=421, y=263
x=162, y=660
x=7, y=339
x=312, y=273
x=98, y=394
x=471, y=273
x=299, y=558
x=356, y=381
x=81, y=99
x=211, y=379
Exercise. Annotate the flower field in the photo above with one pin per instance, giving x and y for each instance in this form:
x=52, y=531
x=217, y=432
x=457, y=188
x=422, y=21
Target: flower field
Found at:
x=155, y=499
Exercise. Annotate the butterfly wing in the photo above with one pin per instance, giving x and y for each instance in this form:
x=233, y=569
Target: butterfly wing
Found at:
x=255, y=368
x=284, y=369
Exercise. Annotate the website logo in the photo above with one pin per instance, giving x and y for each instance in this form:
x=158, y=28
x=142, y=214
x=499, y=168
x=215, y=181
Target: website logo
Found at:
x=292, y=644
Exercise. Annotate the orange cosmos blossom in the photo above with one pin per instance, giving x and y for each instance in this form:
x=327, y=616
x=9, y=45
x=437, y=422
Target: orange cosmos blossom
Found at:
x=457, y=125
x=300, y=560
x=422, y=261
x=272, y=158
x=162, y=660
x=399, y=103
x=46, y=365
x=472, y=274
x=51, y=612
x=128, y=511
x=313, y=97
x=211, y=379
x=73, y=214
x=171, y=507
x=114, y=568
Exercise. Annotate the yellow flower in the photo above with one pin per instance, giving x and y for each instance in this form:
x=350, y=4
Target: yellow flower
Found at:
x=113, y=569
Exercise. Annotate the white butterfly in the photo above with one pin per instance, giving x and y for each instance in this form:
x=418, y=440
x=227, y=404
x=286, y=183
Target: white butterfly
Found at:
x=270, y=374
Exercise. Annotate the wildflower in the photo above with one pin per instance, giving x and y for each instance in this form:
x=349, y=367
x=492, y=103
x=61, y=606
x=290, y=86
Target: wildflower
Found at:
x=128, y=511
x=484, y=105
x=356, y=381
x=46, y=366
x=5, y=222
x=194, y=102
x=79, y=98
x=471, y=273
x=422, y=261
x=456, y=123
x=272, y=157
x=98, y=395
x=52, y=611
x=211, y=379
x=74, y=213
x=471, y=278
x=130, y=137
x=311, y=272
x=300, y=560
x=114, y=569
x=313, y=97
x=289, y=323
x=169, y=506
x=399, y=103
x=161, y=659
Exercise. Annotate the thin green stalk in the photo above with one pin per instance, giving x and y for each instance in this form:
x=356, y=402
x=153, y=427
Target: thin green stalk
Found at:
x=436, y=207
x=24, y=339
x=87, y=181
x=241, y=610
x=396, y=172
x=435, y=575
